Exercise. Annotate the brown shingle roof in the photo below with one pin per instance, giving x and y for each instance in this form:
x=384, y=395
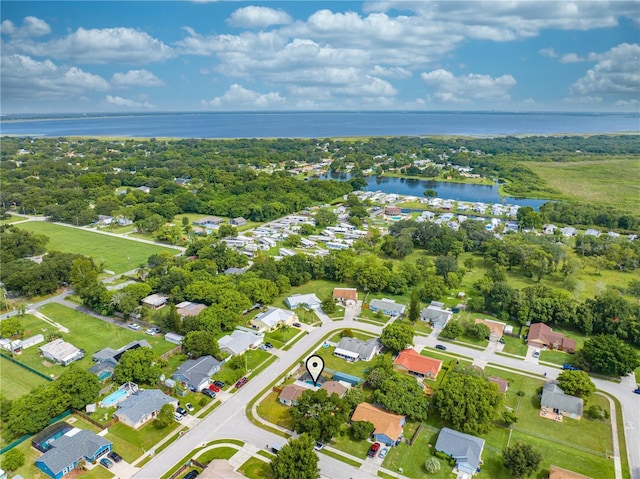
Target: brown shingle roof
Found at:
x=541, y=333
x=385, y=422
x=345, y=293
x=503, y=384
x=556, y=472
x=496, y=327
x=291, y=392
x=416, y=363
x=334, y=387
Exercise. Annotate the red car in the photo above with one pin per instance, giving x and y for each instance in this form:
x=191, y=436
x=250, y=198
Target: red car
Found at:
x=373, y=450
x=214, y=388
x=241, y=382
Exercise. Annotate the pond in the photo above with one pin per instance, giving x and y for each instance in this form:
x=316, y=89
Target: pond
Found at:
x=453, y=191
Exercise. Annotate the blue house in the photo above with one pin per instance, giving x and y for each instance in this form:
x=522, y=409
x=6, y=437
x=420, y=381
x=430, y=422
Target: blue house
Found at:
x=465, y=449
x=68, y=450
x=387, y=306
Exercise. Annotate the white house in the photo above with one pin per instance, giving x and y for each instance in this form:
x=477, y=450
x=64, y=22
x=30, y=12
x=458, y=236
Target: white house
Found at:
x=273, y=318
x=61, y=352
x=308, y=300
x=239, y=341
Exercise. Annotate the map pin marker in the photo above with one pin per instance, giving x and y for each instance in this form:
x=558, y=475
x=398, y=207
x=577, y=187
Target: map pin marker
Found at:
x=315, y=366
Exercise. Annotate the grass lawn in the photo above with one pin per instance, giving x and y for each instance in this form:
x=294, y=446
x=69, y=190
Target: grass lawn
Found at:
x=515, y=346
x=216, y=453
x=135, y=443
x=556, y=357
x=254, y=358
x=118, y=254
x=85, y=332
x=345, y=442
x=12, y=219
x=16, y=380
x=274, y=412
x=590, y=180
x=422, y=327
x=256, y=468
x=281, y=336
x=320, y=287
x=375, y=318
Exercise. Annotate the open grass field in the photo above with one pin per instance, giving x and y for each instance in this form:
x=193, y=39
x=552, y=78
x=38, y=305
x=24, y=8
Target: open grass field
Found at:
x=256, y=468
x=274, y=412
x=85, y=332
x=118, y=254
x=17, y=381
x=131, y=444
x=613, y=182
x=12, y=219
x=338, y=364
x=216, y=453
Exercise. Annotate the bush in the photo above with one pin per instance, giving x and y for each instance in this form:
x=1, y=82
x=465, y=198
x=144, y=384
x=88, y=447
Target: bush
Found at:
x=362, y=430
x=432, y=465
x=12, y=460
x=596, y=412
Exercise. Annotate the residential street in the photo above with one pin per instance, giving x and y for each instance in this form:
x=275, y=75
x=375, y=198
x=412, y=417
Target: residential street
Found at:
x=229, y=419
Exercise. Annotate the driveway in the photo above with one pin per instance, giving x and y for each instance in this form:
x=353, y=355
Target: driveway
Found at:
x=352, y=309
x=529, y=357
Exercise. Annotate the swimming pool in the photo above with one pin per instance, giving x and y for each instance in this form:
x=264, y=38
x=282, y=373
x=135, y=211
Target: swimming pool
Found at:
x=114, y=398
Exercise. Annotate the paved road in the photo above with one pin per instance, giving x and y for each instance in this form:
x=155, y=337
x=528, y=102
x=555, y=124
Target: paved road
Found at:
x=229, y=419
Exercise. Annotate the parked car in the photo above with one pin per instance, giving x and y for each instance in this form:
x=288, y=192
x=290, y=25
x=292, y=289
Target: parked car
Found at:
x=296, y=325
x=383, y=453
x=189, y=407
x=106, y=463
x=241, y=382
x=220, y=384
x=637, y=390
x=182, y=411
x=264, y=347
x=134, y=326
x=209, y=392
x=214, y=388
x=441, y=347
x=177, y=416
x=570, y=367
x=318, y=446
x=191, y=474
x=268, y=345
x=536, y=353
x=373, y=450
x=153, y=331
x=114, y=456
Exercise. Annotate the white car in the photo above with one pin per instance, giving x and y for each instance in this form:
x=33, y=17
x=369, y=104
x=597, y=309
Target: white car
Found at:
x=536, y=353
x=152, y=331
x=134, y=326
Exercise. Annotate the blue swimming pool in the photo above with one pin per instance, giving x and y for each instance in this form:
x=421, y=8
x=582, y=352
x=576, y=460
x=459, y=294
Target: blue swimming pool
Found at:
x=114, y=398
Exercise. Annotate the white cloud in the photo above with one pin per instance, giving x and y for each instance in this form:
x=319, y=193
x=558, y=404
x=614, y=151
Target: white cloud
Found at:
x=126, y=102
x=107, y=45
x=617, y=72
x=448, y=88
x=548, y=52
x=258, y=17
x=26, y=78
x=571, y=58
x=633, y=103
x=31, y=27
x=134, y=78
x=239, y=98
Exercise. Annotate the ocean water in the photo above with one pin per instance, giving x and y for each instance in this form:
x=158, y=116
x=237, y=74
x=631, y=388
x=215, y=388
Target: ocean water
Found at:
x=318, y=124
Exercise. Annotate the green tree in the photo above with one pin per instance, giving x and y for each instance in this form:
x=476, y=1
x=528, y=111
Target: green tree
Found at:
x=329, y=304
x=5, y=408
x=633, y=289
x=452, y=330
x=296, y=460
x=607, y=354
x=414, y=307
x=81, y=385
x=361, y=430
x=11, y=327
x=509, y=417
x=325, y=217
x=12, y=460
x=319, y=415
x=576, y=383
x=446, y=265
x=138, y=365
x=165, y=416
x=430, y=193
x=402, y=394
x=468, y=402
x=432, y=465
x=200, y=343
x=434, y=288
x=522, y=459
x=397, y=336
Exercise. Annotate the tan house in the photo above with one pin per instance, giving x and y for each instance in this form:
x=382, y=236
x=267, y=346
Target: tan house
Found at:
x=187, y=308
x=334, y=387
x=556, y=472
x=496, y=327
x=542, y=336
x=290, y=394
x=411, y=362
x=273, y=318
x=388, y=426
x=345, y=294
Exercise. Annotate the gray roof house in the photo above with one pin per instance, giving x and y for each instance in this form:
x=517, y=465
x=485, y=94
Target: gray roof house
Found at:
x=61, y=352
x=554, y=398
x=110, y=353
x=67, y=451
x=240, y=340
x=308, y=300
x=465, y=449
x=354, y=349
x=387, y=306
x=436, y=314
x=142, y=406
x=195, y=373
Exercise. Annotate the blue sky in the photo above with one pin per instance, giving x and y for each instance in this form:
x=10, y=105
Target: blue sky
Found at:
x=95, y=56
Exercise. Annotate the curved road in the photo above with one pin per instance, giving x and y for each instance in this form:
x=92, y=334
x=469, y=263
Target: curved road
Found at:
x=229, y=419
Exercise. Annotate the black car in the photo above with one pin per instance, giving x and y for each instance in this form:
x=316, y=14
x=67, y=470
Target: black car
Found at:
x=220, y=384
x=191, y=475
x=106, y=463
x=268, y=345
x=209, y=392
x=441, y=347
x=182, y=411
x=114, y=456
